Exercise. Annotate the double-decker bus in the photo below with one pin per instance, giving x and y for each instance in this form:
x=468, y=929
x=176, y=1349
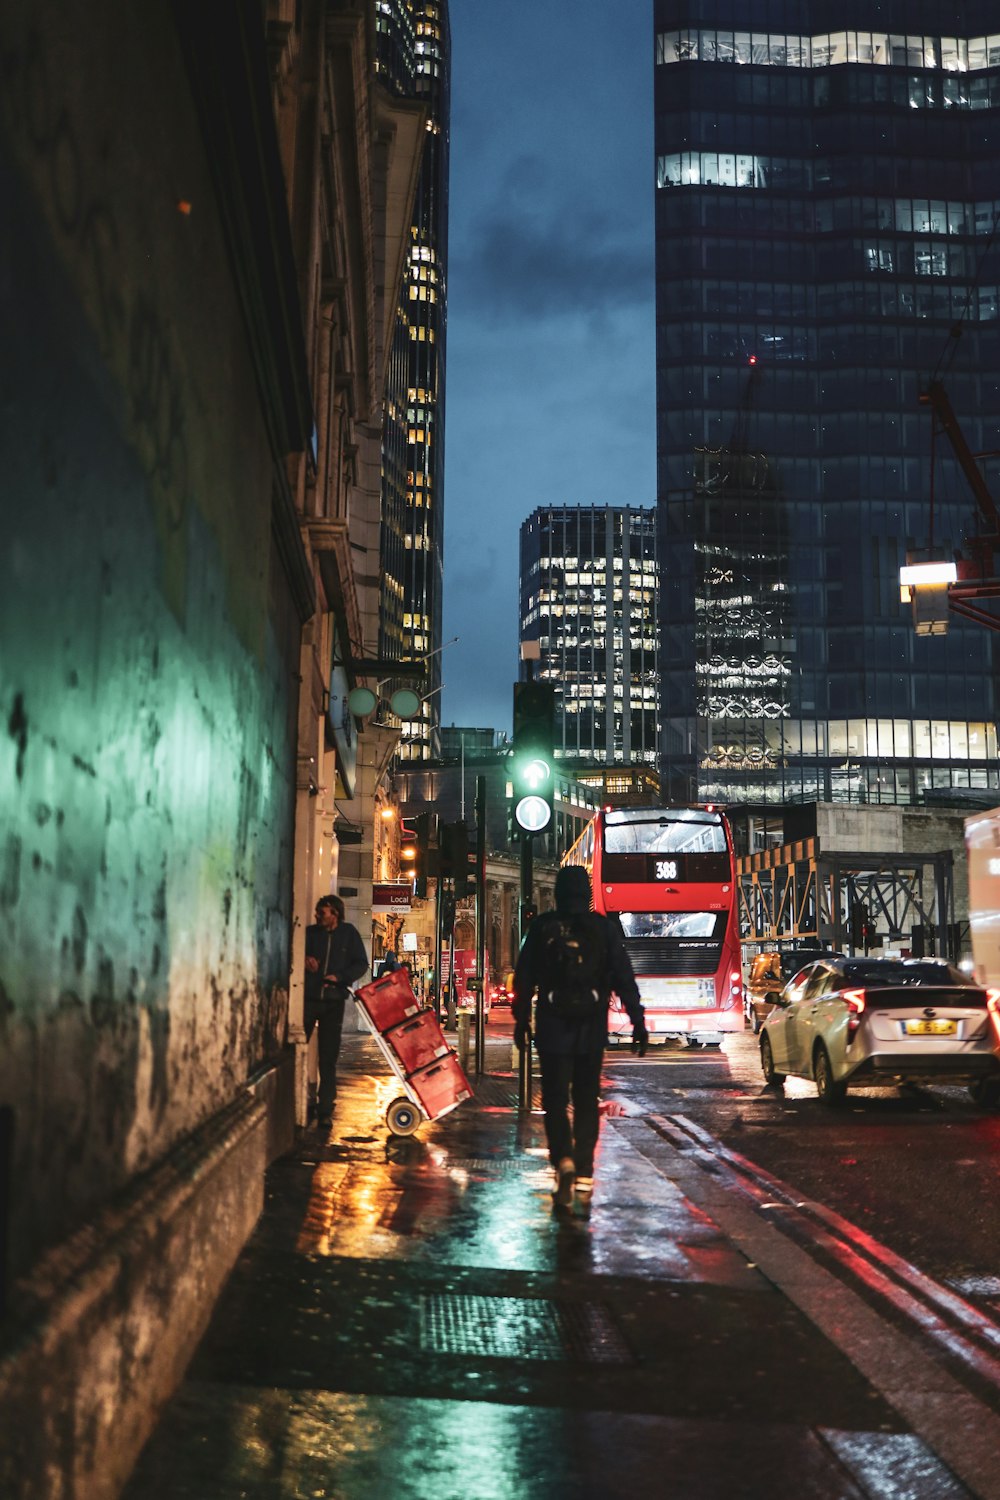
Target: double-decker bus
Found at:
x=668, y=875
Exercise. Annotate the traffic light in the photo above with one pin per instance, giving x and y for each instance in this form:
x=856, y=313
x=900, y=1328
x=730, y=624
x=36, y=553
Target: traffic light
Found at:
x=860, y=926
x=455, y=857
x=408, y=845
x=532, y=759
x=424, y=826
x=414, y=849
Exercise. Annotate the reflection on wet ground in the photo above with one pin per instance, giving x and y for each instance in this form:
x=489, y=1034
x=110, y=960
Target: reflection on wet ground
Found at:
x=411, y=1319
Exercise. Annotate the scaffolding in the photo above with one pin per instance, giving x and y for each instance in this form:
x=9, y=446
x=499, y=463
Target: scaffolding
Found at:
x=848, y=902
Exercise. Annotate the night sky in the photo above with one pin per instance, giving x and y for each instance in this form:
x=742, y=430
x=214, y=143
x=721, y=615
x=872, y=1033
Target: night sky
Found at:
x=550, y=380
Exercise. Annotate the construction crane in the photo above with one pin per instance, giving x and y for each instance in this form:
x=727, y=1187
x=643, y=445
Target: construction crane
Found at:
x=733, y=466
x=975, y=576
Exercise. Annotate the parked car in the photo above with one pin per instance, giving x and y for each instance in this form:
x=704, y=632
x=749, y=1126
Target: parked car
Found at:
x=769, y=973
x=846, y=1021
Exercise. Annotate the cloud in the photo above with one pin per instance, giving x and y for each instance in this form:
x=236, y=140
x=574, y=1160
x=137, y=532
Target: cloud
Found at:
x=531, y=251
x=544, y=269
x=551, y=287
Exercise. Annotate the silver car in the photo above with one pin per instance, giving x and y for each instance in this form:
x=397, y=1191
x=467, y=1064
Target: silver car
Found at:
x=845, y=1021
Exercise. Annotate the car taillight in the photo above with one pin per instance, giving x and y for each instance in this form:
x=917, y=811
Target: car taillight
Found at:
x=855, y=1002
x=735, y=981
x=993, y=1006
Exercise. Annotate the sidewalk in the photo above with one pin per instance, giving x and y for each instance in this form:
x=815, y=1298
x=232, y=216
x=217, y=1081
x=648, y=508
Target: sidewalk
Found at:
x=410, y=1320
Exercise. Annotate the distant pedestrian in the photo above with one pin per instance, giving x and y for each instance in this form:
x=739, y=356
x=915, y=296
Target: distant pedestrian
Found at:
x=575, y=959
x=335, y=958
x=389, y=964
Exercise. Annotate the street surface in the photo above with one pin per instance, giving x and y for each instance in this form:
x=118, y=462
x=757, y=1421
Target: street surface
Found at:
x=919, y=1169
x=768, y=1298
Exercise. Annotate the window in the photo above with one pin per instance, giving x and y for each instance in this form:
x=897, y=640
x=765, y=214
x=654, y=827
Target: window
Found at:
x=950, y=55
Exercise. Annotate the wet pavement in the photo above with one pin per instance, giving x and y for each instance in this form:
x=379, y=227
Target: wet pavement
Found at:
x=412, y=1320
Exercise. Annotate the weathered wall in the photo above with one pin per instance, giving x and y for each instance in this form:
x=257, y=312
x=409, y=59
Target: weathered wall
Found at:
x=149, y=652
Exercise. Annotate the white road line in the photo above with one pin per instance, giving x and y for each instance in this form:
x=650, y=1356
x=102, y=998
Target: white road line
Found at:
x=958, y=1427
x=858, y=1250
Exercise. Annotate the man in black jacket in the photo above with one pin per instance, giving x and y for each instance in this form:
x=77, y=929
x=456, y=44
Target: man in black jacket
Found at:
x=570, y=1031
x=335, y=958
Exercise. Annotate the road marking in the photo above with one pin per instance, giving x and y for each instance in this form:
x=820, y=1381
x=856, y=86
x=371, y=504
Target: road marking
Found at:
x=926, y=1301
x=893, y=1465
x=957, y=1426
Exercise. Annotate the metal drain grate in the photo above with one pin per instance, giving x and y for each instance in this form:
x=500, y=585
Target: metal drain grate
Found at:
x=496, y=1166
x=520, y=1328
x=499, y=1093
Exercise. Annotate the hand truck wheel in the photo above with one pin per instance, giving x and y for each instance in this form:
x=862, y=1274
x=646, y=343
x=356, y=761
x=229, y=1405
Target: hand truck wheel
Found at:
x=402, y=1117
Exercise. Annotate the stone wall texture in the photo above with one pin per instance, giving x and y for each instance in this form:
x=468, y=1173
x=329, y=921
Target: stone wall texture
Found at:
x=148, y=669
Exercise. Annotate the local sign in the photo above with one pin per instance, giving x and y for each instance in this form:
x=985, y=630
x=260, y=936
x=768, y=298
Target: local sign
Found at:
x=388, y=899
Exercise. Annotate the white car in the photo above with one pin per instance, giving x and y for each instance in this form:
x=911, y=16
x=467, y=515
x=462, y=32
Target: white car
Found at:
x=873, y=1021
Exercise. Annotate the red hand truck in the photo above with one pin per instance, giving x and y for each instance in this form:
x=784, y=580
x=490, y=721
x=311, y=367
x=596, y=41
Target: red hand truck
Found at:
x=413, y=1044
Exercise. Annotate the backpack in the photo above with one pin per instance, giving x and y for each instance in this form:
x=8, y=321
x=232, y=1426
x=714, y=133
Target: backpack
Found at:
x=572, y=965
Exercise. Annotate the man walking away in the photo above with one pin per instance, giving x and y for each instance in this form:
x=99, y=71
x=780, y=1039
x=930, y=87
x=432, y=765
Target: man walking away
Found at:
x=335, y=958
x=574, y=959
x=389, y=964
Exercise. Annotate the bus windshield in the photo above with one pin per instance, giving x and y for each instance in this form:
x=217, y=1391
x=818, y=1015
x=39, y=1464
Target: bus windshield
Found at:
x=672, y=924
x=683, y=832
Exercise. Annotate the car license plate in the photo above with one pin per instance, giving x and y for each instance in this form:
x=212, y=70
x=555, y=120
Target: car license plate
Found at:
x=931, y=1028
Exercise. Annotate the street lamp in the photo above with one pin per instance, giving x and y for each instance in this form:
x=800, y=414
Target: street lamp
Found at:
x=404, y=703
x=925, y=585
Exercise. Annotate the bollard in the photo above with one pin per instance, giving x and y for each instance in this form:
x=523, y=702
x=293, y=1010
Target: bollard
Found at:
x=464, y=1020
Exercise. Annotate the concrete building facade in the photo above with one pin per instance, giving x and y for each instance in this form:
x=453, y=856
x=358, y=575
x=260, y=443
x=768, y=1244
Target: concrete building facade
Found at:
x=208, y=204
x=588, y=597
x=414, y=62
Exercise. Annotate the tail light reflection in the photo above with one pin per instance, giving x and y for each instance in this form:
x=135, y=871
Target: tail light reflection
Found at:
x=993, y=1006
x=855, y=1001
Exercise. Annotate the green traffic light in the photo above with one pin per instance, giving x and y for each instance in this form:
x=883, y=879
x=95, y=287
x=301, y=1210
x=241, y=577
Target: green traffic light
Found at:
x=533, y=814
x=535, y=773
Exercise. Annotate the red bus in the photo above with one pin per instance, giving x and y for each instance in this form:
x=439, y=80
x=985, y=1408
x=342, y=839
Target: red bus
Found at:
x=669, y=876
x=465, y=969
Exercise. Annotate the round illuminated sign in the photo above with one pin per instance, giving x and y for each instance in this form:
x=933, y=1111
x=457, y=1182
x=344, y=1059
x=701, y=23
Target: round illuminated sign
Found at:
x=405, y=703
x=532, y=814
x=361, y=700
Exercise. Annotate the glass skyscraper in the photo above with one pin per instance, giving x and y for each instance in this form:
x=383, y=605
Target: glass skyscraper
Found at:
x=826, y=212
x=414, y=60
x=588, y=597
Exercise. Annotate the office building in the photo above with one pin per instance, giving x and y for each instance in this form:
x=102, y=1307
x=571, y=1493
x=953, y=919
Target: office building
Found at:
x=588, y=581
x=414, y=46
x=826, y=215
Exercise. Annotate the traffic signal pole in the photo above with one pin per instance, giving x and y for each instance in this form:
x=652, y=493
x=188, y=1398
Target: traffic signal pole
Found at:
x=481, y=924
x=527, y=885
x=524, y=1080
x=533, y=789
x=438, y=925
